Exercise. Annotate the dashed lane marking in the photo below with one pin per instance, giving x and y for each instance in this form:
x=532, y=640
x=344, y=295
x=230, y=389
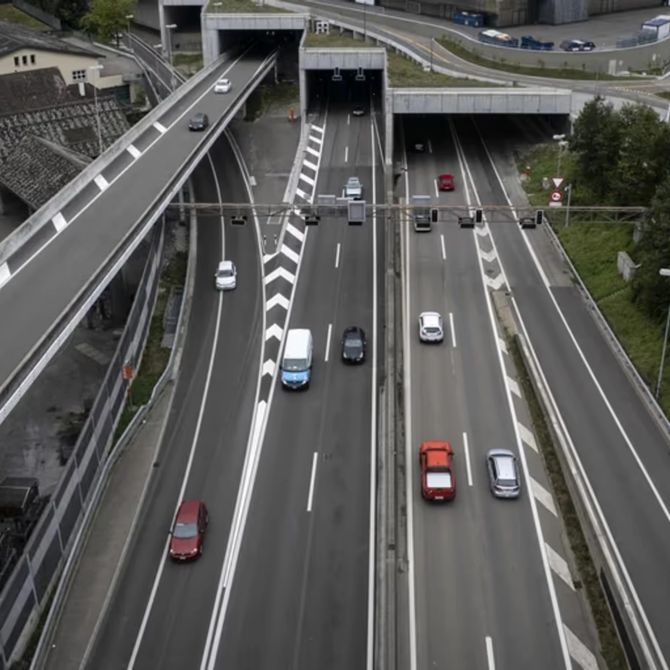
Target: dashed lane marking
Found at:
x=543, y=496
x=579, y=651
x=133, y=151
x=160, y=127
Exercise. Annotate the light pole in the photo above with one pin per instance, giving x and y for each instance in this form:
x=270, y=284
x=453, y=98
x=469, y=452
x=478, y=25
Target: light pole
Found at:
x=170, y=27
x=365, y=21
x=562, y=143
x=664, y=272
x=97, y=108
x=129, y=18
x=568, y=188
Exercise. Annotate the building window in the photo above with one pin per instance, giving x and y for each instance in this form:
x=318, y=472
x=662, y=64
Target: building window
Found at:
x=78, y=75
x=32, y=59
x=24, y=60
x=16, y=61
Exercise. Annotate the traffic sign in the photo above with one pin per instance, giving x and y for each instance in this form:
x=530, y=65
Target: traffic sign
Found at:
x=555, y=199
x=557, y=181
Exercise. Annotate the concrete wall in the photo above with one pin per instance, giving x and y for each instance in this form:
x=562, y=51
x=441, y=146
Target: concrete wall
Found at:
x=346, y=58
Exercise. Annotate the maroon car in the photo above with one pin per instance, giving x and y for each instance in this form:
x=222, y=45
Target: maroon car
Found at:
x=445, y=182
x=188, y=531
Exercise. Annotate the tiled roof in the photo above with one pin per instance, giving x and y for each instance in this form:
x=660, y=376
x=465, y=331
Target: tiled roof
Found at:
x=36, y=169
x=14, y=37
x=33, y=89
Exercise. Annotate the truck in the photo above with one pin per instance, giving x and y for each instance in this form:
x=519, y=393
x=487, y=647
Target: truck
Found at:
x=658, y=27
x=437, y=477
x=529, y=42
x=498, y=38
x=421, y=213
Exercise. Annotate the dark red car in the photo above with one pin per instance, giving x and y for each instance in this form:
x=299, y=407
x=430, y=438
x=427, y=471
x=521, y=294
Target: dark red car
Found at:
x=188, y=531
x=437, y=476
x=445, y=182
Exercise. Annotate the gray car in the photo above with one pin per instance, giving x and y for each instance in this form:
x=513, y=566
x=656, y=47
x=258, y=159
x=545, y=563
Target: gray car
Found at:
x=503, y=471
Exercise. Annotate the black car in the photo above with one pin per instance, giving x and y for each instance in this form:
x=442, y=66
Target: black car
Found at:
x=353, y=345
x=198, y=121
x=577, y=45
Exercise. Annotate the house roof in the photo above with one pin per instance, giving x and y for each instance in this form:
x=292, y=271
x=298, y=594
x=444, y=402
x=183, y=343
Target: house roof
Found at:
x=14, y=37
x=36, y=169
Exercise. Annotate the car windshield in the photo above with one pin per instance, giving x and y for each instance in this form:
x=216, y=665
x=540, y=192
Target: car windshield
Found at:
x=228, y=272
x=183, y=531
x=507, y=483
x=431, y=329
x=295, y=364
x=353, y=343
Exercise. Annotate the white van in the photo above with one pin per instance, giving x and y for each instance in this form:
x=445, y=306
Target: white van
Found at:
x=296, y=364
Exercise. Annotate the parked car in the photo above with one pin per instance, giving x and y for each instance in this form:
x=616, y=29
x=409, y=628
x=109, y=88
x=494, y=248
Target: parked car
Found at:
x=354, y=345
x=198, y=121
x=225, y=277
x=503, y=473
x=437, y=477
x=577, y=45
x=430, y=327
x=188, y=530
x=222, y=85
x=353, y=188
x=529, y=42
x=445, y=182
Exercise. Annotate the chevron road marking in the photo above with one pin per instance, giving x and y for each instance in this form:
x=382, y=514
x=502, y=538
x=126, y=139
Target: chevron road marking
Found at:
x=277, y=299
x=496, y=282
x=502, y=344
x=299, y=192
x=543, y=496
x=309, y=180
x=296, y=232
x=274, y=331
x=579, y=651
x=289, y=253
x=5, y=274
x=527, y=437
x=559, y=565
x=280, y=272
x=488, y=256
x=314, y=152
x=268, y=368
x=514, y=387
x=310, y=165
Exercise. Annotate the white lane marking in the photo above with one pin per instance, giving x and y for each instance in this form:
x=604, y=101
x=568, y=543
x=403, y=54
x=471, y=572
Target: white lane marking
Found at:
x=430, y=147
x=275, y=330
x=488, y=256
x=437, y=191
x=101, y=182
x=133, y=151
x=337, y=256
x=482, y=231
x=466, y=451
x=5, y=274
x=560, y=566
x=543, y=496
x=346, y=154
x=348, y=119
x=296, y=232
x=279, y=272
x=307, y=179
x=269, y=367
x=312, y=479
x=330, y=332
x=319, y=129
x=502, y=345
x=318, y=140
x=453, y=330
x=511, y=409
x=276, y=299
x=527, y=437
x=182, y=489
x=59, y=222
x=489, y=653
x=514, y=387
x=373, y=426
x=495, y=283
x=309, y=150
x=289, y=253
x=579, y=651
x=301, y=194
x=160, y=127
x=444, y=249
x=309, y=164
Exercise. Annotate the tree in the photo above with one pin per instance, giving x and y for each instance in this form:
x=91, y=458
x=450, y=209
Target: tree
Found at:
x=644, y=145
x=71, y=11
x=107, y=17
x=651, y=291
x=595, y=142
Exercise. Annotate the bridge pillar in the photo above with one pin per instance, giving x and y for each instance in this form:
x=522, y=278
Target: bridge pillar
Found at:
x=302, y=80
x=387, y=101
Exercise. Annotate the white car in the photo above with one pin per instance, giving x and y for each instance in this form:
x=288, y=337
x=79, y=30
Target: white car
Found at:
x=353, y=188
x=222, y=85
x=225, y=277
x=430, y=327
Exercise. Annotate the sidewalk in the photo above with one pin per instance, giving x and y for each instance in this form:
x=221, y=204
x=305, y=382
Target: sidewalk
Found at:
x=105, y=546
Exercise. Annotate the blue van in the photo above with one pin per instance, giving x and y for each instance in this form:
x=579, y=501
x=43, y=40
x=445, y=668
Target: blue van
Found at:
x=296, y=364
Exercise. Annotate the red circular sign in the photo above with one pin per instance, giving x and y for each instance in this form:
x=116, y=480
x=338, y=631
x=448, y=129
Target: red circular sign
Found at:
x=556, y=196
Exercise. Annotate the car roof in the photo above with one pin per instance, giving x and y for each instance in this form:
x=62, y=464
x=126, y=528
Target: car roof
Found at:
x=222, y=79
x=430, y=317
x=188, y=510
x=226, y=265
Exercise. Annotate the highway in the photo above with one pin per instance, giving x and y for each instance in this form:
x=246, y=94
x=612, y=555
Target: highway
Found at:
x=100, y=219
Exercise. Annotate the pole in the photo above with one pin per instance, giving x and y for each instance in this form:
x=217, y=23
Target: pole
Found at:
x=431, y=54
x=568, y=188
x=97, y=118
x=365, y=22
x=665, y=346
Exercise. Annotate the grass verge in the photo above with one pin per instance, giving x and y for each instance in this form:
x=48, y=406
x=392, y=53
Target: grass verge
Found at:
x=155, y=356
x=610, y=647
x=14, y=15
x=563, y=73
x=265, y=98
x=244, y=7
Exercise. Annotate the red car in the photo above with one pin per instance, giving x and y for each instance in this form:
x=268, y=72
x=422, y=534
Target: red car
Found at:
x=437, y=477
x=445, y=182
x=188, y=531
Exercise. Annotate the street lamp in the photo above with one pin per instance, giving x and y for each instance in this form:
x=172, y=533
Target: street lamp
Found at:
x=169, y=27
x=129, y=18
x=568, y=190
x=97, y=108
x=562, y=143
x=664, y=272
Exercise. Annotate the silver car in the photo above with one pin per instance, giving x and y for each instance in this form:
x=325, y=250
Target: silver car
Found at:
x=353, y=188
x=503, y=472
x=430, y=327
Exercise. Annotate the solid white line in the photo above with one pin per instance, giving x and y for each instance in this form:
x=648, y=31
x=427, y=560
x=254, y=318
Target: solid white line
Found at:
x=348, y=119
x=489, y=653
x=346, y=153
x=330, y=332
x=311, y=482
x=453, y=330
x=444, y=249
x=466, y=451
x=437, y=192
x=337, y=256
